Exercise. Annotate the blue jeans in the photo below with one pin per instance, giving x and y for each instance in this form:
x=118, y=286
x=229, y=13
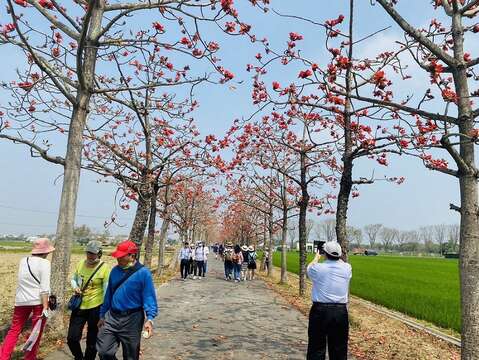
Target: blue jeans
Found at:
x=237, y=271
x=228, y=269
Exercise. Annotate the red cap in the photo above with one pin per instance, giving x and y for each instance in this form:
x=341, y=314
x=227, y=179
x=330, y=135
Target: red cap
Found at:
x=125, y=248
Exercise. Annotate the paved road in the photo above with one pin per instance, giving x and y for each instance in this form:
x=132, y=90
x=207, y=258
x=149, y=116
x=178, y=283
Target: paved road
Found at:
x=215, y=319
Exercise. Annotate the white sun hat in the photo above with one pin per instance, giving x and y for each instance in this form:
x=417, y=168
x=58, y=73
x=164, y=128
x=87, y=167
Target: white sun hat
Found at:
x=332, y=248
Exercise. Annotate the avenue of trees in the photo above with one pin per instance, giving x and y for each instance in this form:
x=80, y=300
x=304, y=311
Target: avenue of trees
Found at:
x=115, y=83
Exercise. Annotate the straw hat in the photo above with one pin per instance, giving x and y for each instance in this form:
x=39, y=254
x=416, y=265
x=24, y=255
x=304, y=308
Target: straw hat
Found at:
x=251, y=248
x=244, y=248
x=42, y=246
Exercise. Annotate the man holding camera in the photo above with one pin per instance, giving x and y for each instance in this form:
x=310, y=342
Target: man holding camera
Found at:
x=328, y=318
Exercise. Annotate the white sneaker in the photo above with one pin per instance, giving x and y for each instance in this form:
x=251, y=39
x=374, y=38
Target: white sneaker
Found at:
x=199, y=277
x=194, y=277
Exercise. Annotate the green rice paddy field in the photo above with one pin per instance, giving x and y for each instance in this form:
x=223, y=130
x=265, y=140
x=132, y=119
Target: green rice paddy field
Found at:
x=425, y=288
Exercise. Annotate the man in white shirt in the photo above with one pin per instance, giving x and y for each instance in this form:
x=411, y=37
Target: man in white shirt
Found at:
x=199, y=257
x=328, y=318
x=206, y=251
x=184, y=256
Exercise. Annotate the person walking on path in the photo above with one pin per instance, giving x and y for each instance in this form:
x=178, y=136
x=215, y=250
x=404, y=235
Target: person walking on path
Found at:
x=130, y=296
x=244, y=264
x=191, y=261
x=90, y=280
x=199, y=257
x=237, y=261
x=185, y=254
x=251, y=262
x=31, y=297
x=266, y=259
x=205, y=261
x=228, y=261
x=221, y=251
x=328, y=317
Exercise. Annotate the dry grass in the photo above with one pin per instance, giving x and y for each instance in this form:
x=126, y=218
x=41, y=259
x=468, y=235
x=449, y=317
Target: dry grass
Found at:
x=373, y=336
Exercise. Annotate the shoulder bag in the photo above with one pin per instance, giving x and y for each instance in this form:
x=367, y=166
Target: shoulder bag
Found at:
x=76, y=299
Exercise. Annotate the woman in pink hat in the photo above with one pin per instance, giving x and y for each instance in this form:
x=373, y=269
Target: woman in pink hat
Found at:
x=31, y=297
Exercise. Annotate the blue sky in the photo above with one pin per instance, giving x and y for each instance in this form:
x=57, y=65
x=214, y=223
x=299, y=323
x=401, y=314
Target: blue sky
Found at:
x=423, y=199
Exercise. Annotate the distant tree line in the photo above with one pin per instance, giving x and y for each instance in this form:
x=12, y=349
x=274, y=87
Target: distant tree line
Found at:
x=437, y=239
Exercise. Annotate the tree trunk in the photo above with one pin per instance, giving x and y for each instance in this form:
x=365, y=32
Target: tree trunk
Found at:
x=138, y=228
x=469, y=226
x=150, y=241
x=303, y=207
x=469, y=267
x=265, y=230
x=284, y=253
x=345, y=187
x=270, y=247
x=161, y=250
x=346, y=182
x=66, y=216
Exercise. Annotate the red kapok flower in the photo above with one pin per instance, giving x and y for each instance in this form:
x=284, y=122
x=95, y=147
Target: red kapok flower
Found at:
x=158, y=26
x=305, y=74
x=46, y=4
x=56, y=52
x=27, y=86
x=295, y=36
x=22, y=3
x=227, y=5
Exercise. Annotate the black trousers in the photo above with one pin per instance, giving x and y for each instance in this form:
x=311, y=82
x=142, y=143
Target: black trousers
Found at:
x=124, y=330
x=78, y=319
x=199, y=268
x=191, y=265
x=184, y=268
x=328, y=322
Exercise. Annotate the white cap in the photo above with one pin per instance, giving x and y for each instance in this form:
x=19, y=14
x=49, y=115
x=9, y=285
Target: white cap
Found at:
x=332, y=248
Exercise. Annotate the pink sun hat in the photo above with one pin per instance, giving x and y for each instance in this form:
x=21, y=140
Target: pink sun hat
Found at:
x=42, y=246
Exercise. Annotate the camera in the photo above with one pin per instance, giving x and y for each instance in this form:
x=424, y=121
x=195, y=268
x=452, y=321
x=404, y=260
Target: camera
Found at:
x=318, y=246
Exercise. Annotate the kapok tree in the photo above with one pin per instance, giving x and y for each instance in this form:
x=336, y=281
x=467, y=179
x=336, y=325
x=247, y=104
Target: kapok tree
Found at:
x=269, y=185
x=243, y=214
x=262, y=194
x=193, y=208
x=290, y=144
x=68, y=51
x=440, y=51
x=323, y=93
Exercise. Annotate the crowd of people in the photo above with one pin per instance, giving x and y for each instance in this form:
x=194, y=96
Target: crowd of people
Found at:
x=119, y=304
x=239, y=261
x=193, y=260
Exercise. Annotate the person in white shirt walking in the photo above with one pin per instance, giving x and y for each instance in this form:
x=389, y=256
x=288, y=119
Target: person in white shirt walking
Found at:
x=31, y=297
x=184, y=256
x=328, y=318
x=206, y=252
x=199, y=257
